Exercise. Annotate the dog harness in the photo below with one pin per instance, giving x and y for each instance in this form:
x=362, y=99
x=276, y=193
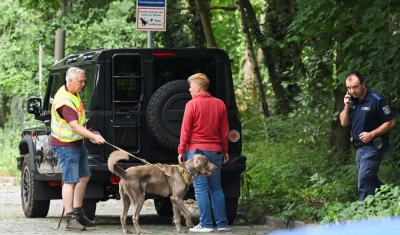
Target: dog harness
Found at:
x=181, y=170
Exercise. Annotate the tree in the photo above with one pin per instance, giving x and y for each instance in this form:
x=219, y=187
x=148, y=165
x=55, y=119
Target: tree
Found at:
x=253, y=61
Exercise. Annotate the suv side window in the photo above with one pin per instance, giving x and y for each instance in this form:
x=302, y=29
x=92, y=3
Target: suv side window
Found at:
x=169, y=69
x=55, y=82
x=86, y=94
x=127, y=72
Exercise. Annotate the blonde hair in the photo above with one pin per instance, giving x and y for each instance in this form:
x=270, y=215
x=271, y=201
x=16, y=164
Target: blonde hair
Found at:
x=200, y=79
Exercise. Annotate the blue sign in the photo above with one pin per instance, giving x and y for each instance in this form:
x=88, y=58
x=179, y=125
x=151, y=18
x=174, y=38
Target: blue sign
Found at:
x=151, y=3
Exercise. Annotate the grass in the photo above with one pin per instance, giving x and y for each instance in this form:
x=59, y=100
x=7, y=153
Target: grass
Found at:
x=9, y=140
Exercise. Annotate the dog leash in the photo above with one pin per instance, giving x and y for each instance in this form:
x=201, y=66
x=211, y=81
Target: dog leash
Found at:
x=144, y=161
x=183, y=172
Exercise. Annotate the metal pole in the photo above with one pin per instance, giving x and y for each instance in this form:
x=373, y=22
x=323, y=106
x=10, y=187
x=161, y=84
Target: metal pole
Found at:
x=40, y=69
x=149, y=39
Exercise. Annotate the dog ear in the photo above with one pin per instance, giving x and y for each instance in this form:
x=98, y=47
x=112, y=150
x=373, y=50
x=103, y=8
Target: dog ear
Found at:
x=200, y=162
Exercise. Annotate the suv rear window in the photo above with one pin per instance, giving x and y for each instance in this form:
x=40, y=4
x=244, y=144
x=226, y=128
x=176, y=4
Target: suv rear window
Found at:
x=169, y=69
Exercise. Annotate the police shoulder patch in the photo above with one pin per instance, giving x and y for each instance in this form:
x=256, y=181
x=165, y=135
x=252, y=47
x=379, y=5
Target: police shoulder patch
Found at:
x=376, y=96
x=386, y=109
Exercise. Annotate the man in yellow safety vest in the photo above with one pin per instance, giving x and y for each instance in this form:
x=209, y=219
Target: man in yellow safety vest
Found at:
x=68, y=129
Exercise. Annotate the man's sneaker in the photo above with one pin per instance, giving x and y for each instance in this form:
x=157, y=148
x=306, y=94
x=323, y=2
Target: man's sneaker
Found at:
x=73, y=224
x=226, y=228
x=200, y=229
x=81, y=217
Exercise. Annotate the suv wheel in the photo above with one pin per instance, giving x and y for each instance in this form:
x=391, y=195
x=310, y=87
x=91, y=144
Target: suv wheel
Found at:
x=231, y=206
x=89, y=207
x=165, y=112
x=32, y=208
x=163, y=207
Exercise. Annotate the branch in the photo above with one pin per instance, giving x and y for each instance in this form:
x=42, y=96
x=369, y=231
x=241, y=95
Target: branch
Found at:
x=192, y=9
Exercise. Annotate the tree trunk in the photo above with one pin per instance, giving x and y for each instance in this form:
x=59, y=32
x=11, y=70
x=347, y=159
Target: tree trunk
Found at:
x=59, y=47
x=253, y=60
x=198, y=37
x=340, y=136
x=261, y=39
x=205, y=20
x=3, y=110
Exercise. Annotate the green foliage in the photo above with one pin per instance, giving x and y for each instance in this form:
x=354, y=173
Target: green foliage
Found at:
x=9, y=140
x=385, y=203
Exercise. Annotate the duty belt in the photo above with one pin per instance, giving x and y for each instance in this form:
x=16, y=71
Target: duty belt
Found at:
x=359, y=144
x=376, y=142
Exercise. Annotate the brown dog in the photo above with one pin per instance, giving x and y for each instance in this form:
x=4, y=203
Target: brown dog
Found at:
x=162, y=180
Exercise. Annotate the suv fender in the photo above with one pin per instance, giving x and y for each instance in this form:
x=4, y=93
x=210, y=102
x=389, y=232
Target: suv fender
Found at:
x=26, y=147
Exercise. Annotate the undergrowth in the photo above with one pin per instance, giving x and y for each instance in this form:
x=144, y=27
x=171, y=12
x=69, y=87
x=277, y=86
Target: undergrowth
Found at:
x=292, y=174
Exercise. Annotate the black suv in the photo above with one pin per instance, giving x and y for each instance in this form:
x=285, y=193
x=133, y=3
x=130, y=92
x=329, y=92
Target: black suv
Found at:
x=135, y=99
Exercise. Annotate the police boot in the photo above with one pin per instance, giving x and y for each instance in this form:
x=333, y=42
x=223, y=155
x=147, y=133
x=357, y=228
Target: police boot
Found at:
x=73, y=224
x=81, y=217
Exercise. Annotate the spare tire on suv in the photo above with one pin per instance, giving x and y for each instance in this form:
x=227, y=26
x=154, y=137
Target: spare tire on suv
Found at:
x=165, y=111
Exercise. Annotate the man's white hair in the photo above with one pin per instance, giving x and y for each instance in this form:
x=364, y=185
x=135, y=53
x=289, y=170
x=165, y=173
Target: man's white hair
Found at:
x=72, y=73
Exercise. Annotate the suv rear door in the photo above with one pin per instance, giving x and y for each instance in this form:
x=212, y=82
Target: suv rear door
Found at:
x=127, y=98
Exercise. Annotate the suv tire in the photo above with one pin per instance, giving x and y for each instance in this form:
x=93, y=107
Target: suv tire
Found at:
x=163, y=207
x=89, y=207
x=161, y=116
x=32, y=208
x=231, y=206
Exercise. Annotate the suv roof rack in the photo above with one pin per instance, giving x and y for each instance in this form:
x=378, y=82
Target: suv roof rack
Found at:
x=84, y=55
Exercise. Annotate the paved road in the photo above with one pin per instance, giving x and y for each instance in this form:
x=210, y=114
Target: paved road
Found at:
x=13, y=221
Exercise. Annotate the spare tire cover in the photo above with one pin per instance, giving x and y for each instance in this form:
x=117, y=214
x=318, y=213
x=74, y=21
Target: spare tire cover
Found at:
x=165, y=112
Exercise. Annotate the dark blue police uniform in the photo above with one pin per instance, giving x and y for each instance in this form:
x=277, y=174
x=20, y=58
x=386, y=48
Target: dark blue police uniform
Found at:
x=366, y=116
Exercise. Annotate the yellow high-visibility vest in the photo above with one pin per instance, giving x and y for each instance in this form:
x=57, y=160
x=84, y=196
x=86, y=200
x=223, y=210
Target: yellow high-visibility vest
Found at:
x=60, y=129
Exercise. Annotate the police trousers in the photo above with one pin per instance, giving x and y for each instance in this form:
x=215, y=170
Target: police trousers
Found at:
x=369, y=160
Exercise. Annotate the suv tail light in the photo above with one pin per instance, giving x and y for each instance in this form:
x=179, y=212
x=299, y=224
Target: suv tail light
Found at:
x=163, y=54
x=115, y=179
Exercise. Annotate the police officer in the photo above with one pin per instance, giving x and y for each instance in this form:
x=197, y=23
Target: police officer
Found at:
x=371, y=121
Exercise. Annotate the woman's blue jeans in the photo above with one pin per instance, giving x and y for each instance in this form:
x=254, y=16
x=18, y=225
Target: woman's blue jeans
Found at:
x=206, y=187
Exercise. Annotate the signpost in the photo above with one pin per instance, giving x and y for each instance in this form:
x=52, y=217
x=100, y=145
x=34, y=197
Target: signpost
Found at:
x=151, y=15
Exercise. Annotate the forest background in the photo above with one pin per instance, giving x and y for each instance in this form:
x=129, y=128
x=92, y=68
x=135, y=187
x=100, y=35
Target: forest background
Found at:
x=289, y=62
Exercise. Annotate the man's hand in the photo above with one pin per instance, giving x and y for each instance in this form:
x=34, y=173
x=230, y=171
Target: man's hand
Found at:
x=98, y=139
x=226, y=158
x=347, y=100
x=181, y=158
x=366, y=137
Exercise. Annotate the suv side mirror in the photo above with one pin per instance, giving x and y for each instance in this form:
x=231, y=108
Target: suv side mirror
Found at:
x=34, y=106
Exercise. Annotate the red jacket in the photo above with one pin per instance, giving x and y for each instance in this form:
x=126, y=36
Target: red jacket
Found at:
x=205, y=125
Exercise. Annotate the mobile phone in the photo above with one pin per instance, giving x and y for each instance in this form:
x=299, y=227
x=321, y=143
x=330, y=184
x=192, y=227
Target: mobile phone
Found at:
x=351, y=98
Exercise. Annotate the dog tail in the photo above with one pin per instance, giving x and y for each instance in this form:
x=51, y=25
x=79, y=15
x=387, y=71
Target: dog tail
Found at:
x=112, y=163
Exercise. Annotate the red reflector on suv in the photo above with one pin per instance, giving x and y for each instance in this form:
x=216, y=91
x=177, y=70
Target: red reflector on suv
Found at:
x=234, y=136
x=163, y=54
x=115, y=179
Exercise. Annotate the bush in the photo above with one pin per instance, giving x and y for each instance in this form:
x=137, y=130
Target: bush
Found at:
x=8, y=164
x=385, y=203
x=290, y=172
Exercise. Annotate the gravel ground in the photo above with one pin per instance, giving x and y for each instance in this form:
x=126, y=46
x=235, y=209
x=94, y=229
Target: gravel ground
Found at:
x=13, y=221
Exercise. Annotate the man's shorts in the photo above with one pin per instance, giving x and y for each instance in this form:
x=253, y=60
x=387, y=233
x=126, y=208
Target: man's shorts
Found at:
x=73, y=163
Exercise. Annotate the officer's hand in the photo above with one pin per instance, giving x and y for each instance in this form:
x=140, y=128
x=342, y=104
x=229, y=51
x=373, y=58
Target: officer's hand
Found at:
x=181, y=158
x=366, y=137
x=347, y=99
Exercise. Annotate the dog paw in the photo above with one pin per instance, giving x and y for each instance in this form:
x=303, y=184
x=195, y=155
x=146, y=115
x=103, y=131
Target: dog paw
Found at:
x=182, y=230
x=127, y=232
x=141, y=232
x=190, y=225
